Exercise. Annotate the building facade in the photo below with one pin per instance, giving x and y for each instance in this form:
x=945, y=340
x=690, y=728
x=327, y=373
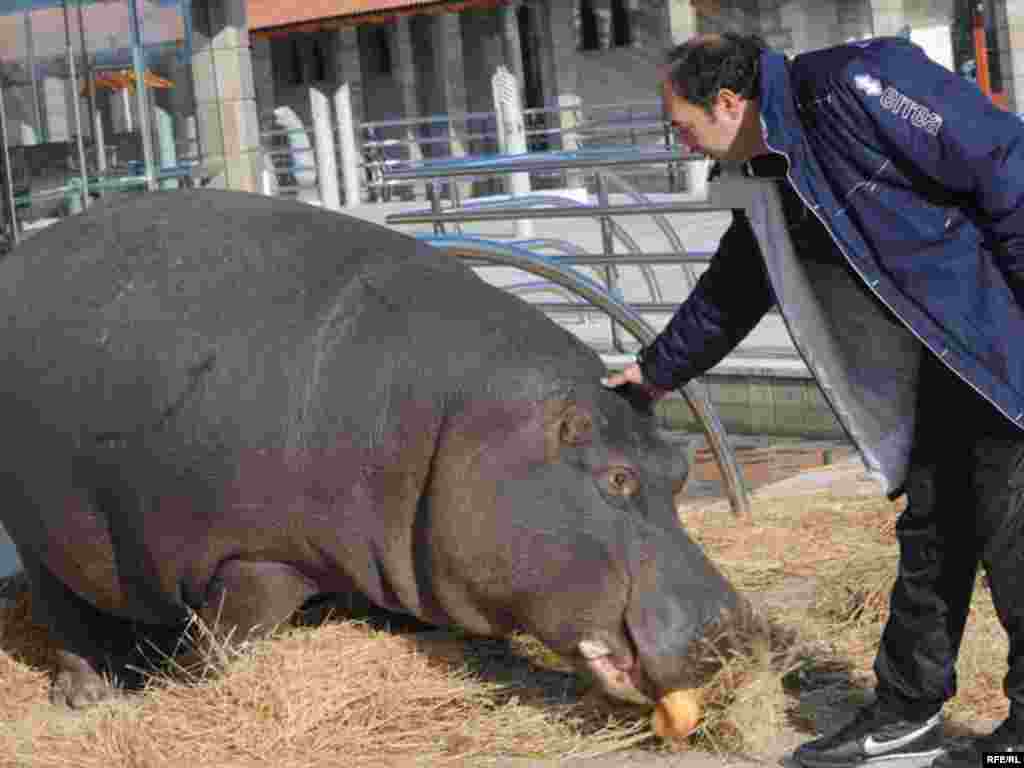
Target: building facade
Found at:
x=119, y=96
x=407, y=59
x=108, y=97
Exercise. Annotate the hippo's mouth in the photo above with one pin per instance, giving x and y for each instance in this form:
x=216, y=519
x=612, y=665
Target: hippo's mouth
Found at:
x=621, y=677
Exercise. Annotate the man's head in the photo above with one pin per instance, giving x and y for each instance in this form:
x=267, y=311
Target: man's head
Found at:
x=710, y=88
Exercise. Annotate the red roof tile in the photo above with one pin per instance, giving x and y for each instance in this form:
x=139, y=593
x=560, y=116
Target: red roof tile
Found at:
x=281, y=13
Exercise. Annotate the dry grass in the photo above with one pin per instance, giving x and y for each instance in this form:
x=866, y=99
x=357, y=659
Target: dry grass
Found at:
x=847, y=547
x=341, y=693
x=344, y=693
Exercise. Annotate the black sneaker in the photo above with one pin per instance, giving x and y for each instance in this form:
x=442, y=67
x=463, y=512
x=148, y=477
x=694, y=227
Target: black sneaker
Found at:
x=1006, y=738
x=876, y=736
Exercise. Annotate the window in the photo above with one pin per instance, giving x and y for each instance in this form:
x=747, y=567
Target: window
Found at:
x=301, y=58
x=617, y=14
x=380, y=49
x=319, y=59
x=622, y=32
x=588, y=26
x=295, y=57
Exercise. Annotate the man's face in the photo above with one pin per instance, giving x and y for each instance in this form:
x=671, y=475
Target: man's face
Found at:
x=713, y=134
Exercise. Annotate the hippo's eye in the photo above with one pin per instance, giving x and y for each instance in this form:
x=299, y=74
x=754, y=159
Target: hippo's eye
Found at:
x=621, y=481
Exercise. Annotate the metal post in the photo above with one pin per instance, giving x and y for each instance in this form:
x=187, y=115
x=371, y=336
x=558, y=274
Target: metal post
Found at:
x=672, y=171
x=608, y=249
x=90, y=90
x=434, y=190
x=30, y=52
x=8, y=176
x=83, y=171
x=981, y=49
x=456, y=201
x=141, y=92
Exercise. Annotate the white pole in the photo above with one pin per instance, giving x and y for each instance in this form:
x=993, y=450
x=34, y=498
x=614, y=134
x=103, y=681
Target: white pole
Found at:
x=101, y=148
x=323, y=138
x=512, y=136
x=126, y=110
x=349, y=147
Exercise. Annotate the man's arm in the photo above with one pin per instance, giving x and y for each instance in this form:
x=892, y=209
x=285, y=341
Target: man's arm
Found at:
x=966, y=144
x=729, y=299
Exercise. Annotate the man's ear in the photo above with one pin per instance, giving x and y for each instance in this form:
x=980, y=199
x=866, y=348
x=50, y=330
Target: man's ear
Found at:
x=730, y=102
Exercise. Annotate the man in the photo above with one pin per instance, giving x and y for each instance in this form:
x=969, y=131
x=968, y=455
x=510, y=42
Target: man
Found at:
x=902, y=189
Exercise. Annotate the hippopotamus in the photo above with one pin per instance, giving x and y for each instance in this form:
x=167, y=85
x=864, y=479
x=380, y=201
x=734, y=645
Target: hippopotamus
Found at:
x=224, y=405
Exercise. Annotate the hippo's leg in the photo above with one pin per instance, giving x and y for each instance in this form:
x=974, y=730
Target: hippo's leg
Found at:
x=247, y=597
x=89, y=643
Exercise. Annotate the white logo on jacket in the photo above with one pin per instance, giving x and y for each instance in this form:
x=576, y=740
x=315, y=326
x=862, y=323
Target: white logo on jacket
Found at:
x=868, y=84
x=902, y=106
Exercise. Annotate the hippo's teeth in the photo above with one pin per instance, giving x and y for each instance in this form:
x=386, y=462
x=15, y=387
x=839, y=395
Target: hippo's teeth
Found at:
x=593, y=649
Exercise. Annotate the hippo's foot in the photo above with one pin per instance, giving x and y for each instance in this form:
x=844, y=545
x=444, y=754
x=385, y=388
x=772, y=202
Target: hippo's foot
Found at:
x=77, y=684
x=92, y=647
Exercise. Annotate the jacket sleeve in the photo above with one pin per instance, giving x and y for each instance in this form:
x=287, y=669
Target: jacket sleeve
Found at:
x=959, y=140
x=729, y=299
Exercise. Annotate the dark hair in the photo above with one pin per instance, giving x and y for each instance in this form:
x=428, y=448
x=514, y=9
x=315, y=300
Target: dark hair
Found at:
x=702, y=66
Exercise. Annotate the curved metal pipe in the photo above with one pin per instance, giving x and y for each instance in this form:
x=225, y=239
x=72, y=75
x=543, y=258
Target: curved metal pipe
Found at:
x=675, y=242
x=564, y=247
x=695, y=392
x=527, y=201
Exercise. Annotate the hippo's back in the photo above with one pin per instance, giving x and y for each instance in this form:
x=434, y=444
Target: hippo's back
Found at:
x=185, y=252
x=115, y=311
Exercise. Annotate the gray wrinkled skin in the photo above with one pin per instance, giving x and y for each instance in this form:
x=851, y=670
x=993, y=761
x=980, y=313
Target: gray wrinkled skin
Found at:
x=222, y=403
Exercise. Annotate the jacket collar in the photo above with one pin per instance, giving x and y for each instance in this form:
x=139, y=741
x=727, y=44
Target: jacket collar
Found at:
x=779, y=119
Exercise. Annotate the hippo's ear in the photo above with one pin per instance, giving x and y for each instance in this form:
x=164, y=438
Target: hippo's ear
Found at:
x=577, y=426
x=569, y=424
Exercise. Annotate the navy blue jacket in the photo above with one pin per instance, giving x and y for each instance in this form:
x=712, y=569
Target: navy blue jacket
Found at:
x=918, y=179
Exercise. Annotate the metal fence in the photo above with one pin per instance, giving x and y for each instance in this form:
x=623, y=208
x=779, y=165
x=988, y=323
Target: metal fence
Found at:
x=389, y=146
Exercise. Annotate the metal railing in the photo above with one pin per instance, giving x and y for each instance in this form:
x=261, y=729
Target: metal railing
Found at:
x=388, y=146
x=559, y=269
x=391, y=145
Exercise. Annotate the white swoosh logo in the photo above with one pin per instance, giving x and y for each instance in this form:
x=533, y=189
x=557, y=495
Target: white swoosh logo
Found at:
x=873, y=748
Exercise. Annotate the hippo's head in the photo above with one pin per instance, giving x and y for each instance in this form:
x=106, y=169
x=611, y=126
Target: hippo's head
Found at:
x=560, y=521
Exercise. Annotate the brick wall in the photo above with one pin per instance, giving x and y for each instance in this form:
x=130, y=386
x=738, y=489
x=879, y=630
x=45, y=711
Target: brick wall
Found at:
x=767, y=465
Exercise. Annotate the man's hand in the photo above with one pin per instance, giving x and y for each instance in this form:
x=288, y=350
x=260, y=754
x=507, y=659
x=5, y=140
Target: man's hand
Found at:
x=632, y=374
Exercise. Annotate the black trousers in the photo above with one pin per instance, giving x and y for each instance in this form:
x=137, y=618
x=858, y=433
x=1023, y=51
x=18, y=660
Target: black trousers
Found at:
x=965, y=506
